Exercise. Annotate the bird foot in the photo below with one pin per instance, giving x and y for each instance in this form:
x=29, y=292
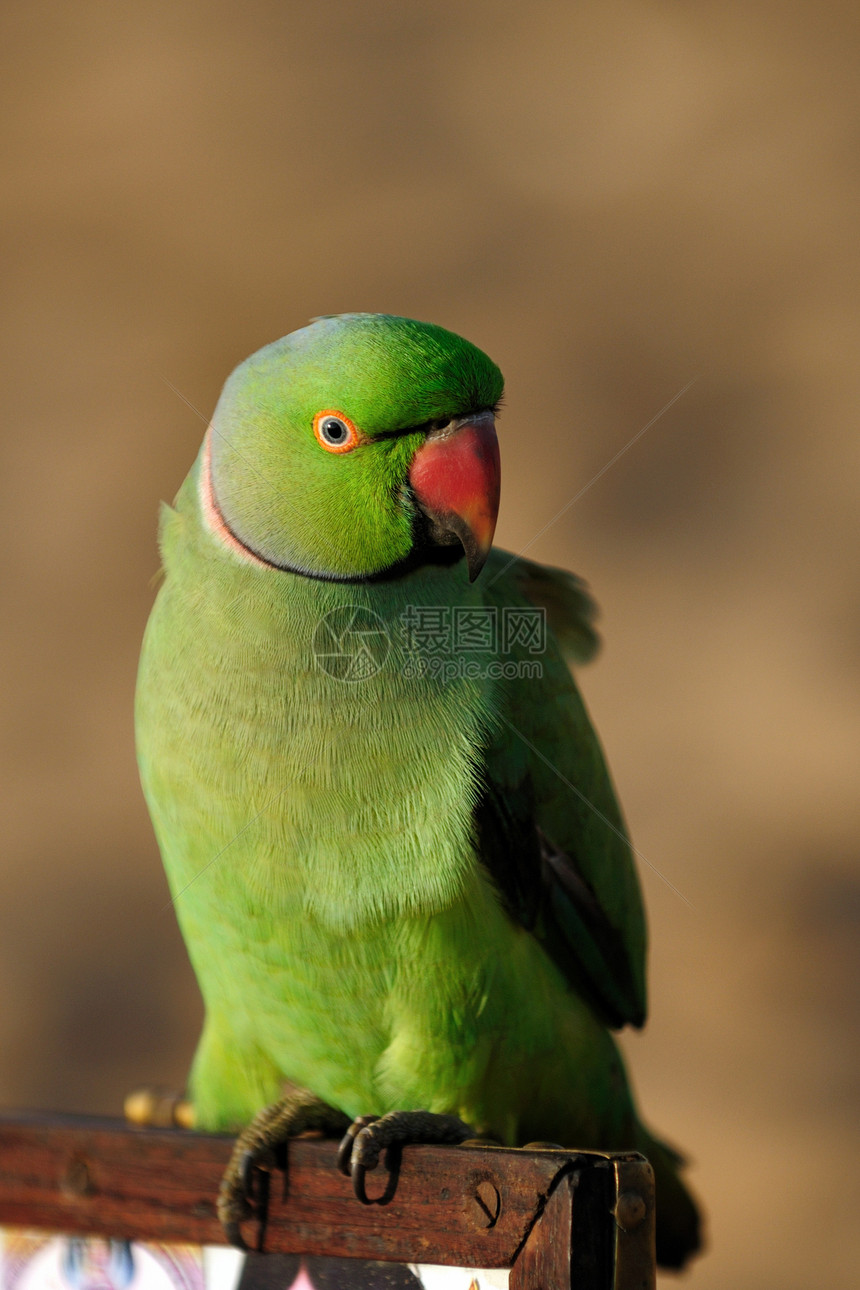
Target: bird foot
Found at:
x=260, y=1148
x=369, y=1135
x=158, y=1108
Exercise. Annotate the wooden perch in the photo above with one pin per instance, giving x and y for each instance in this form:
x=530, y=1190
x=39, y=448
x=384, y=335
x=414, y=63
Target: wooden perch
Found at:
x=560, y=1220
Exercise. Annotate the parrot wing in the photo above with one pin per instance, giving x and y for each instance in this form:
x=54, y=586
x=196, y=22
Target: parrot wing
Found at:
x=548, y=825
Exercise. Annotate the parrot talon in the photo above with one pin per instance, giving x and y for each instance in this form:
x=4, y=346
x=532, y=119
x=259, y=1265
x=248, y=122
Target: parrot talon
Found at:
x=370, y=1135
x=233, y=1232
x=344, y=1151
x=358, y=1173
x=244, y=1199
x=233, y=1210
x=246, y=1175
x=260, y=1149
x=366, y=1150
x=253, y=1162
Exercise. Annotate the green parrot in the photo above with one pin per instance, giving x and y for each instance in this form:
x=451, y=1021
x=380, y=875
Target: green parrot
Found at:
x=388, y=827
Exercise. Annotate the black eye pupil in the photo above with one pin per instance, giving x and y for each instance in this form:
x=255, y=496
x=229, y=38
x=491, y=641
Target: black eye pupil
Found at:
x=334, y=431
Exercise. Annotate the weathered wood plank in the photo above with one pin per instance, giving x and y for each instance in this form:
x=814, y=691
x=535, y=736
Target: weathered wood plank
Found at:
x=545, y=1259
x=561, y=1220
x=468, y=1206
x=596, y=1231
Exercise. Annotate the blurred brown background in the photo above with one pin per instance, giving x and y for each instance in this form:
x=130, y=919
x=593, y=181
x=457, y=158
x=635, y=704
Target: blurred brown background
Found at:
x=611, y=199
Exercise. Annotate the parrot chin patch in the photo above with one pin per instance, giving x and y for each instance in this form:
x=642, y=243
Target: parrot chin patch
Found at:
x=213, y=515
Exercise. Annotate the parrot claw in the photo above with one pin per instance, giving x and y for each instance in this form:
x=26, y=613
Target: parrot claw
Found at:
x=370, y=1135
x=233, y=1232
x=235, y=1206
x=358, y=1173
x=265, y=1162
x=259, y=1150
x=344, y=1151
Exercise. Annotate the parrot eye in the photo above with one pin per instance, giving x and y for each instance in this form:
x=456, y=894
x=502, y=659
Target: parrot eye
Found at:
x=335, y=432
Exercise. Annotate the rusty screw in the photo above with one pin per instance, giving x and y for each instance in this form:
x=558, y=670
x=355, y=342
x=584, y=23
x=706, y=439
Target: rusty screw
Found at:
x=630, y=1209
x=486, y=1204
x=76, y=1181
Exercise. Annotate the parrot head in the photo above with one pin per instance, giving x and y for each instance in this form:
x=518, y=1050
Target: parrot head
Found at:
x=354, y=448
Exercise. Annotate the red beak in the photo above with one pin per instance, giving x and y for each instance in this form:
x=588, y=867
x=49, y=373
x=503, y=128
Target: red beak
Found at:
x=456, y=478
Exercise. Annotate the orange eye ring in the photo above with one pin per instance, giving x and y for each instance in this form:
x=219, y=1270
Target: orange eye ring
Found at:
x=335, y=432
